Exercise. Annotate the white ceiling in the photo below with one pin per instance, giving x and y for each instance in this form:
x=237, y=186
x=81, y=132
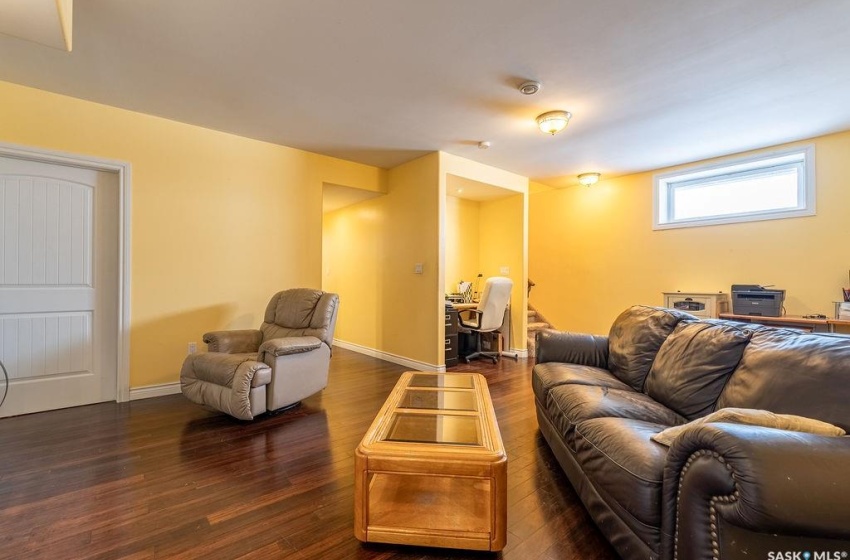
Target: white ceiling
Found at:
x=461, y=187
x=650, y=83
x=44, y=21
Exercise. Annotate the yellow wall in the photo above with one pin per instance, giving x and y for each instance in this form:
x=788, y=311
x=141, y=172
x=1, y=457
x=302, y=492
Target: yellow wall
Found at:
x=483, y=237
x=501, y=224
x=219, y=222
x=370, y=250
x=462, y=242
x=593, y=251
x=502, y=245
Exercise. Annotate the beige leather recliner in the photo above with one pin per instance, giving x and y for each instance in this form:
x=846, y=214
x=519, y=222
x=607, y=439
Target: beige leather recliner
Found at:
x=249, y=372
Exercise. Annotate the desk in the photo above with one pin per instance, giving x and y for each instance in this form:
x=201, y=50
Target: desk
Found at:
x=790, y=321
x=832, y=323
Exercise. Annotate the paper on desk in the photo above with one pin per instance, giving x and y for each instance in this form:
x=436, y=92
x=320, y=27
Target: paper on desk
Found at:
x=466, y=289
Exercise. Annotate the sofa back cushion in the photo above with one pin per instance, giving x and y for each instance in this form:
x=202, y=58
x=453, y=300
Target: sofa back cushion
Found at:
x=792, y=372
x=635, y=338
x=694, y=364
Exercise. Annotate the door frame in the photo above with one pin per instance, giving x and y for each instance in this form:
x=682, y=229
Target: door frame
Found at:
x=123, y=170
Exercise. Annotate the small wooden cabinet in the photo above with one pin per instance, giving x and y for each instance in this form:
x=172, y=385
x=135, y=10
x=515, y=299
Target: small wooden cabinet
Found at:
x=701, y=304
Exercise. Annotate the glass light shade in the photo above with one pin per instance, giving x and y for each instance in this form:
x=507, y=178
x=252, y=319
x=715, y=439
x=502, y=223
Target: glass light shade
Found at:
x=554, y=121
x=588, y=179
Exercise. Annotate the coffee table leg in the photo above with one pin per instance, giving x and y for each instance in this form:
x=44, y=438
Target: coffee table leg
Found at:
x=361, y=495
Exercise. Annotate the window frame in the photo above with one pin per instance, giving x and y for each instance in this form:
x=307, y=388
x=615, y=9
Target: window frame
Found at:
x=802, y=157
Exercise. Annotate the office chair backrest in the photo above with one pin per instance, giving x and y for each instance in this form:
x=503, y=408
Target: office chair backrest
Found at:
x=494, y=301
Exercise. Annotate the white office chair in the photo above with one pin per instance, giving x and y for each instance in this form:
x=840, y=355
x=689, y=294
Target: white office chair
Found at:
x=489, y=315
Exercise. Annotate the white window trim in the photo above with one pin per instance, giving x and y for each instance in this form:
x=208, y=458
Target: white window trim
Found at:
x=734, y=165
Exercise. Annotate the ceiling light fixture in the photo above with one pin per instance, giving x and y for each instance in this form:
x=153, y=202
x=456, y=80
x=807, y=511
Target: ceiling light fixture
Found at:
x=588, y=179
x=484, y=145
x=554, y=121
x=530, y=87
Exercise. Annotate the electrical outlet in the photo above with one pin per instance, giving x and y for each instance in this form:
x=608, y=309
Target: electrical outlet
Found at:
x=193, y=347
x=505, y=270
x=417, y=268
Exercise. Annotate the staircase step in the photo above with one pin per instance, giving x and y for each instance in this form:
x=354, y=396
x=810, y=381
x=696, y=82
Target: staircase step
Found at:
x=532, y=313
x=537, y=326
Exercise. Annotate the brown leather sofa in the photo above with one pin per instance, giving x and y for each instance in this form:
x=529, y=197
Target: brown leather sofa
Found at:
x=720, y=490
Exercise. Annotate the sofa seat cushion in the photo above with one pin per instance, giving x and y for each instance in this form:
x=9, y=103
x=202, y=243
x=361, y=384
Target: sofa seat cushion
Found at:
x=570, y=404
x=552, y=374
x=693, y=365
x=627, y=469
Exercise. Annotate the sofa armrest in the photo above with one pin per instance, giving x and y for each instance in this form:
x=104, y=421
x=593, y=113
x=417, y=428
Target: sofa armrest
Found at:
x=723, y=477
x=233, y=342
x=288, y=345
x=572, y=348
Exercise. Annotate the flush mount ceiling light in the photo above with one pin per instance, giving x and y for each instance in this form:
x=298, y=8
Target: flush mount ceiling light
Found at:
x=588, y=179
x=554, y=121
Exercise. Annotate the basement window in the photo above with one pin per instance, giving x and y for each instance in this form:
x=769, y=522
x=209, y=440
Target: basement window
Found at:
x=765, y=187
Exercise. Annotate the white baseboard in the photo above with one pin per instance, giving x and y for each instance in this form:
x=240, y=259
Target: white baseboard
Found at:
x=407, y=362
x=149, y=391
x=518, y=352
x=386, y=356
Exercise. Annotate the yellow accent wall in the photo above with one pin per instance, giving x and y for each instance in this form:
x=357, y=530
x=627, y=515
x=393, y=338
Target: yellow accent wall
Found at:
x=482, y=237
x=593, y=251
x=370, y=250
x=219, y=222
x=502, y=233
x=462, y=242
x=503, y=245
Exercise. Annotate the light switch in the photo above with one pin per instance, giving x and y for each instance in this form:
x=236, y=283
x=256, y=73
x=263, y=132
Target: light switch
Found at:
x=417, y=268
x=505, y=270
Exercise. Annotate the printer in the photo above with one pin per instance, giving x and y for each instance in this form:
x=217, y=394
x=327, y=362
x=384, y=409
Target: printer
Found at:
x=752, y=299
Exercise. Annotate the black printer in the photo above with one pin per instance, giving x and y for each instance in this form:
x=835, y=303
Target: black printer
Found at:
x=752, y=299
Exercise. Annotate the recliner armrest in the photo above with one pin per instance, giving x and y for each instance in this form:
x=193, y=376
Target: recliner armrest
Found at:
x=760, y=479
x=288, y=345
x=572, y=348
x=234, y=342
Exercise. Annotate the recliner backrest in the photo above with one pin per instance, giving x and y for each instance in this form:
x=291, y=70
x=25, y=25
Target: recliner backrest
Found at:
x=301, y=312
x=494, y=301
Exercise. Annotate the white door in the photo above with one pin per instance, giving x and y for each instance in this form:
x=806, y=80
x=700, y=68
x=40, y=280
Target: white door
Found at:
x=58, y=285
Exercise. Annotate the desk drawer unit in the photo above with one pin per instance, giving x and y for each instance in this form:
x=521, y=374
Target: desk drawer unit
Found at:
x=451, y=337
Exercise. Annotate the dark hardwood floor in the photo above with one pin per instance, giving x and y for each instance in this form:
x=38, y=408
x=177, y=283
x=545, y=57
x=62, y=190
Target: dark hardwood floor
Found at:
x=163, y=478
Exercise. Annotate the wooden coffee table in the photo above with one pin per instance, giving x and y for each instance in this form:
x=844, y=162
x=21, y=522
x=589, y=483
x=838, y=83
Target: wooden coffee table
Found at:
x=432, y=468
